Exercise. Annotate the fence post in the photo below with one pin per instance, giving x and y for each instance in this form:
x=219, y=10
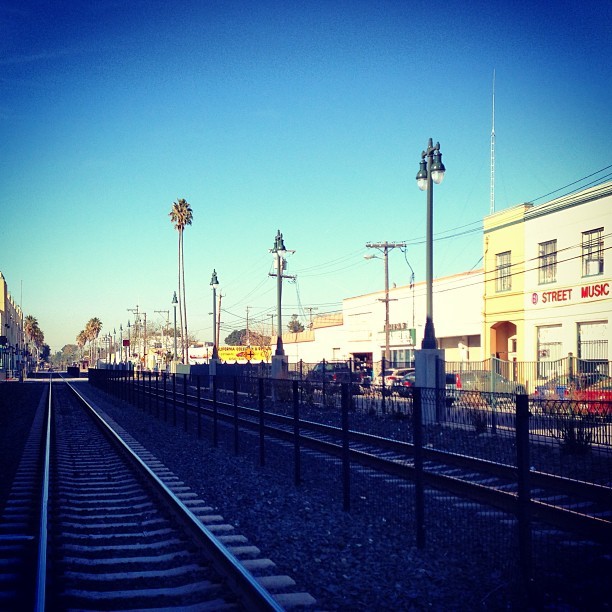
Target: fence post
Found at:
x=150, y=399
x=262, y=447
x=174, y=399
x=323, y=377
x=137, y=388
x=419, y=487
x=297, y=468
x=165, y=381
x=199, y=387
x=382, y=387
x=440, y=391
x=215, y=414
x=185, y=402
x=236, y=432
x=346, y=461
x=157, y=394
x=524, y=489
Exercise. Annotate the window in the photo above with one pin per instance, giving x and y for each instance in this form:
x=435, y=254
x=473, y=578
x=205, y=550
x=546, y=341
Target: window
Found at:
x=503, y=279
x=592, y=252
x=549, y=350
x=547, y=269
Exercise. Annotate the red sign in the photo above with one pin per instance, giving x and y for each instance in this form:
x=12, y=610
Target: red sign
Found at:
x=586, y=292
x=126, y=343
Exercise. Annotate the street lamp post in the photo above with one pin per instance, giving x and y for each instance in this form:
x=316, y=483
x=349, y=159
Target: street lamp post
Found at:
x=279, y=253
x=128, y=348
x=214, y=283
x=174, y=303
x=121, y=342
x=431, y=171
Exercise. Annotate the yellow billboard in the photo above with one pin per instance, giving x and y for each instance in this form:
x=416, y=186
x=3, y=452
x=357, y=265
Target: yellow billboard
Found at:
x=231, y=354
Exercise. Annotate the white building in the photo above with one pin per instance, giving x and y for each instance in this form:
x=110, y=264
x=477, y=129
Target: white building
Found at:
x=568, y=282
x=358, y=332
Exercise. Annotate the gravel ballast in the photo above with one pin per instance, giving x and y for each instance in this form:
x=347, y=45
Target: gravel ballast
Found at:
x=346, y=560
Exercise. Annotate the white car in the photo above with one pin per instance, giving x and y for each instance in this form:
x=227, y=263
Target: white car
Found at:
x=392, y=376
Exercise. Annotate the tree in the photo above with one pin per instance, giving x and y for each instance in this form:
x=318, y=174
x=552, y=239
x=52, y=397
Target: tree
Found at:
x=45, y=352
x=236, y=338
x=81, y=340
x=34, y=334
x=92, y=331
x=30, y=325
x=294, y=325
x=239, y=337
x=181, y=216
x=67, y=356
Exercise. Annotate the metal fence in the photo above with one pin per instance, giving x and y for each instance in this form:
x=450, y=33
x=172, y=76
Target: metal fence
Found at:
x=501, y=476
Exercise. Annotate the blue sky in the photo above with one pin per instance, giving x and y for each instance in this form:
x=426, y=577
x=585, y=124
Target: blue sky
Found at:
x=306, y=117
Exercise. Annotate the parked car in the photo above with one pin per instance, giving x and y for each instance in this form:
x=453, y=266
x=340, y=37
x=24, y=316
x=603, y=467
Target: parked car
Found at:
x=565, y=386
x=333, y=371
x=405, y=385
x=596, y=400
x=486, y=381
x=391, y=376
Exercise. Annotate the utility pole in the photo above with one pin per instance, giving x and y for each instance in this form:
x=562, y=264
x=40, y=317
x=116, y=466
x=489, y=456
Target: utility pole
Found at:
x=219, y=320
x=144, y=344
x=385, y=247
x=272, y=328
x=310, y=309
x=164, y=338
x=136, y=322
x=248, y=339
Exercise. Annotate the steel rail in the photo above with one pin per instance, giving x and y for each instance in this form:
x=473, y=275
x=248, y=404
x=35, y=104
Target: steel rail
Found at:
x=254, y=596
x=41, y=572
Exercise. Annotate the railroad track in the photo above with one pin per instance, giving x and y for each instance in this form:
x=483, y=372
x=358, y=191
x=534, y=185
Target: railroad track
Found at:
x=565, y=503
x=115, y=530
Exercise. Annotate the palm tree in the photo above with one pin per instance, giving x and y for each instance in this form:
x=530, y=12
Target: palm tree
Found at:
x=181, y=215
x=34, y=334
x=92, y=331
x=30, y=325
x=81, y=340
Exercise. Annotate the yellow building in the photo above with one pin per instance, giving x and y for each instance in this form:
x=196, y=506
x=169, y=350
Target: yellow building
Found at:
x=12, y=345
x=504, y=267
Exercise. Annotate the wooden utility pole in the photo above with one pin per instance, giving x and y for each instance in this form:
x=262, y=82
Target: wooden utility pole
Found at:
x=384, y=247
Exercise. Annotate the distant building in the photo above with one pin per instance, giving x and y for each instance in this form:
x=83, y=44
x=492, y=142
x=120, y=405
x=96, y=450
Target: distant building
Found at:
x=358, y=332
x=12, y=345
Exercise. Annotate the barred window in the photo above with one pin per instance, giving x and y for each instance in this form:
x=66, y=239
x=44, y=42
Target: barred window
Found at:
x=503, y=278
x=592, y=252
x=547, y=269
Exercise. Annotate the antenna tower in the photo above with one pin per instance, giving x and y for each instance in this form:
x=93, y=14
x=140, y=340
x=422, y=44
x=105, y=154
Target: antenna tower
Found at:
x=493, y=152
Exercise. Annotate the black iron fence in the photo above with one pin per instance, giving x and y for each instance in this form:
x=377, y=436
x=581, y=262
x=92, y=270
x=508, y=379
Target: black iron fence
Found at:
x=525, y=482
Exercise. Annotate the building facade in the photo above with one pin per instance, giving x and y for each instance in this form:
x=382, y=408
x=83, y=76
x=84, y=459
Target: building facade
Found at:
x=548, y=280
x=358, y=332
x=12, y=342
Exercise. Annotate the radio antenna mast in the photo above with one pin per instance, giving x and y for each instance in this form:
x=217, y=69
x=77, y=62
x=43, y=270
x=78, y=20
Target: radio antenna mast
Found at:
x=493, y=152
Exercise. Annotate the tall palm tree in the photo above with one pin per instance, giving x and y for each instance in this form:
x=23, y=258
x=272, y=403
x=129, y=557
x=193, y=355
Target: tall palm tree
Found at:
x=81, y=340
x=181, y=216
x=30, y=325
x=34, y=334
x=92, y=330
